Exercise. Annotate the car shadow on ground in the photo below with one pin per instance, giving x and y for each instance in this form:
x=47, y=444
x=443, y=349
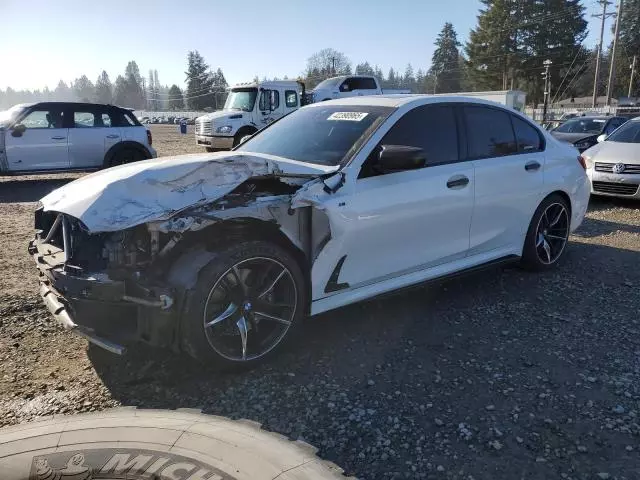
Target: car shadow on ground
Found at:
x=595, y=227
x=449, y=350
x=29, y=190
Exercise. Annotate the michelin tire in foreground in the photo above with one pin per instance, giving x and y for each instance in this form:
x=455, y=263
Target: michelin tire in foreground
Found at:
x=154, y=444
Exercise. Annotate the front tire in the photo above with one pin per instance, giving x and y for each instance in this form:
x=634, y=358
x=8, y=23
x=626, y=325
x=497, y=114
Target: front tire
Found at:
x=124, y=156
x=248, y=303
x=547, y=235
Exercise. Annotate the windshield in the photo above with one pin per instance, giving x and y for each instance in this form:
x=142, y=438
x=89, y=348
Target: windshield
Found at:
x=321, y=135
x=582, y=125
x=241, y=99
x=7, y=116
x=627, y=133
x=329, y=83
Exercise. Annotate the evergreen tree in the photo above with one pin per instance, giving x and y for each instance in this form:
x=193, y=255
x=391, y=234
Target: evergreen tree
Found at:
x=628, y=46
x=134, y=93
x=364, y=69
x=199, y=82
x=83, y=89
x=152, y=98
x=219, y=88
x=409, y=80
x=325, y=64
x=392, y=80
x=120, y=94
x=104, y=90
x=445, y=61
x=176, y=100
x=62, y=93
x=377, y=72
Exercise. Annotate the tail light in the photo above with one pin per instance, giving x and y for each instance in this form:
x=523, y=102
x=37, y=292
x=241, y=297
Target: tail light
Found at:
x=149, y=137
x=582, y=161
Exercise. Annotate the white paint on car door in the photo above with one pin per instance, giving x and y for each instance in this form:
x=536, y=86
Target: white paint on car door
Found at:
x=389, y=224
x=509, y=177
x=42, y=145
x=91, y=136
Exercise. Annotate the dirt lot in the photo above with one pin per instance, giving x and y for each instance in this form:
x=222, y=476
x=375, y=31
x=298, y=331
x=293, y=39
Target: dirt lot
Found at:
x=502, y=374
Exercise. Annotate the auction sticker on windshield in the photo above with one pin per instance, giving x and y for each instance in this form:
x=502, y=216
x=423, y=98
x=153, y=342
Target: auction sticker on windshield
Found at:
x=348, y=116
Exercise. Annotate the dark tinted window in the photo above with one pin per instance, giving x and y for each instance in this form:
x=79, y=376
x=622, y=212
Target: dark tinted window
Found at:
x=628, y=133
x=613, y=124
x=582, y=125
x=432, y=128
x=489, y=132
x=44, y=118
x=527, y=136
x=360, y=83
x=269, y=97
x=84, y=117
x=324, y=135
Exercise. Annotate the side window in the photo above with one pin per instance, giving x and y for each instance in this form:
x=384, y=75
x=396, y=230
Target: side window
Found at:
x=527, y=136
x=46, y=118
x=290, y=98
x=121, y=118
x=106, y=119
x=613, y=124
x=431, y=127
x=347, y=85
x=489, y=132
x=269, y=97
x=83, y=119
x=366, y=84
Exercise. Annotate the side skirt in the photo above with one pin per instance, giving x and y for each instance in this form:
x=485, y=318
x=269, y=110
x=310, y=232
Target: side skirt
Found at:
x=394, y=285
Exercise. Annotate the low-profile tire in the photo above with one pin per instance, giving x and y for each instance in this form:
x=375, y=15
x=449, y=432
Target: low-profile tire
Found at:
x=547, y=235
x=249, y=302
x=135, y=444
x=126, y=155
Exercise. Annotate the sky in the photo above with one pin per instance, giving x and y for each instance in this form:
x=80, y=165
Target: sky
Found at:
x=48, y=40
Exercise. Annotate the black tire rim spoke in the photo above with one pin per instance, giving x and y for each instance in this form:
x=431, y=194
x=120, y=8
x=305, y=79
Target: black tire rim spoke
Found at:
x=250, y=308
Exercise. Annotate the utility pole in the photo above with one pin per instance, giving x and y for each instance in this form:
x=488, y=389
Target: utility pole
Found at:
x=333, y=62
x=547, y=87
x=633, y=71
x=604, y=15
x=613, y=54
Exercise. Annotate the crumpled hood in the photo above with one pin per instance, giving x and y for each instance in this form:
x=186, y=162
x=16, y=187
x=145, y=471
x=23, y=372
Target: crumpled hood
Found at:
x=128, y=195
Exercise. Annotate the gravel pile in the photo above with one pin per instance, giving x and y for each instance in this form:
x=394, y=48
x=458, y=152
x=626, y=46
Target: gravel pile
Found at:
x=502, y=374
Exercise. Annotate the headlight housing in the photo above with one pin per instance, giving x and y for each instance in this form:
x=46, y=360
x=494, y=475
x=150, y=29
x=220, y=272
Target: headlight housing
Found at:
x=224, y=129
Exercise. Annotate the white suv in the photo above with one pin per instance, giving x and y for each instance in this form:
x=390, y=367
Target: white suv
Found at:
x=62, y=136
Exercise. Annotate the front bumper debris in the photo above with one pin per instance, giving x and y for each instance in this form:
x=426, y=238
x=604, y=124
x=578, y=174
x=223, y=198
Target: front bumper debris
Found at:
x=104, y=311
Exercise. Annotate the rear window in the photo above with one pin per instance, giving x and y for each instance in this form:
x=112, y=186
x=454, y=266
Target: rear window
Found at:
x=489, y=132
x=582, y=125
x=321, y=135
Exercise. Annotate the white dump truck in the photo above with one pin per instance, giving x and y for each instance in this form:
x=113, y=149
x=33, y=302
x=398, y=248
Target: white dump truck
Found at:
x=252, y=106
x=249, y=107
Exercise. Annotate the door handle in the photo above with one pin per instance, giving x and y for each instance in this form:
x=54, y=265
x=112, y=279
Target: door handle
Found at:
x=532, y=166
x=455, y=182
x=58, y=138
x=113, y=136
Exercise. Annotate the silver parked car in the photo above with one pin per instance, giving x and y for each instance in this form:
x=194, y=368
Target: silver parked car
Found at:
x=613, y=164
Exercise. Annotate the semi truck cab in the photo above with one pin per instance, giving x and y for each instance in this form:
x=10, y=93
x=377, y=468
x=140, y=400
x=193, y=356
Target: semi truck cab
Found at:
x=249, y=107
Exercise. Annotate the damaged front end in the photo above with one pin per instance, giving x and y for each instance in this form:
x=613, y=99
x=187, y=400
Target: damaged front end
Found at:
x=115, y=287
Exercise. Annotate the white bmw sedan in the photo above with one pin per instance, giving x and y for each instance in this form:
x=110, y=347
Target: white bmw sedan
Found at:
x=613, y=164
x=222, y=255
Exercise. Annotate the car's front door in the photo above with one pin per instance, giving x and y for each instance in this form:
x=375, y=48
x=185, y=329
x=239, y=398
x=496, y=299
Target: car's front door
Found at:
x=396, y=223
x=38, y=140
x=509, y=158
x=90, y=136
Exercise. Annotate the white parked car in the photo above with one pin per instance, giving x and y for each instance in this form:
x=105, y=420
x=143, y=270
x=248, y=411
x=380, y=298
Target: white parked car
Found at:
x=63, y=136
x=613, y=164
x=222, y=255
x=351, y=86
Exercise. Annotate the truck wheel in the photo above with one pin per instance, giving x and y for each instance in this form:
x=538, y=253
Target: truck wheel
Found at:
x=168, y=444
x=240, y=135
x=249, y=300
x=126, y=155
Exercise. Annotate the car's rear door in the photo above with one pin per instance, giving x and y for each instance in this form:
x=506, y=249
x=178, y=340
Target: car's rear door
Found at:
x=401, y=222
x=90, y=136
x=43, y=144
x=509, y=158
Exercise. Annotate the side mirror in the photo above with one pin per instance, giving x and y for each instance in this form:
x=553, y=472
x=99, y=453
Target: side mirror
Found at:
x=602, y=138
x=18, y=129
x=396, y=158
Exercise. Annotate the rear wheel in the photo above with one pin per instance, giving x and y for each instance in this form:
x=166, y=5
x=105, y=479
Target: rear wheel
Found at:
x=248, y=302
x=547, y=235
x=126, y=155
x=237, y=139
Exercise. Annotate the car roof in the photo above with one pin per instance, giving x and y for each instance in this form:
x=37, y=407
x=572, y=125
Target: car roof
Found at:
x=400, y=100
x=75, y=104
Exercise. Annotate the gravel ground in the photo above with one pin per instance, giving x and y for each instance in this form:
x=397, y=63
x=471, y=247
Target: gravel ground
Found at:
x=500, y=374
